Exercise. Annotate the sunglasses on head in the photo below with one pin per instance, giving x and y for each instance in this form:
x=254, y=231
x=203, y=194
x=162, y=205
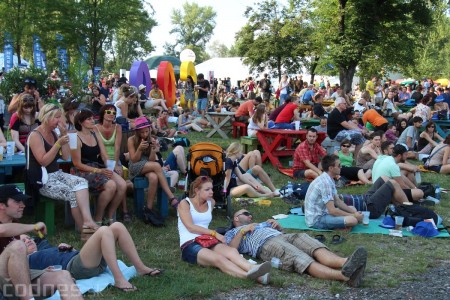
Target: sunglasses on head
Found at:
x=245, y=213
x=110, y=112
x=32, y=81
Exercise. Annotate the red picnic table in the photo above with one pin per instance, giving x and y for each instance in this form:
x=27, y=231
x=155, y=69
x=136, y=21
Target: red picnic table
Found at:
x=280, y=142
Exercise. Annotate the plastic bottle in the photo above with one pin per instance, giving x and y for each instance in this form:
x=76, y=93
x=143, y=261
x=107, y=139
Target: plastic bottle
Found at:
x=437, y=192
x=289, y=188
x=418, y=178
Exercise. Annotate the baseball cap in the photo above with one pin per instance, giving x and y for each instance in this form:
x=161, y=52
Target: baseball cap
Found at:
x=388, y=222
x=12, y=191
x=339, y=100
x=425, y=229
x=141, y=122
x=142, y=87
x=439, y=98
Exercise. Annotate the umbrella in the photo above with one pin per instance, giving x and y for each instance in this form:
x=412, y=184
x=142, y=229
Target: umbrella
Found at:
x=408, y=81
x=442, y=81
x=399, y=80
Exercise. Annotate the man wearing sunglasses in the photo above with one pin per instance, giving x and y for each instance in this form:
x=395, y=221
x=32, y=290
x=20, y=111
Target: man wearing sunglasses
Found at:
x=29, y=88
x=298, y=252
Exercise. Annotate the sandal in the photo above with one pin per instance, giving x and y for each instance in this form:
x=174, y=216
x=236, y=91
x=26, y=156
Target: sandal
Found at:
x=127, y=217
x=320, y=237
x=337, y=239
x=126, y=289
x=154, y=272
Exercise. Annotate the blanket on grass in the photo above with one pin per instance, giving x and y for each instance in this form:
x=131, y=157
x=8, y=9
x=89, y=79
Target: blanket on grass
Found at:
x=290, y=172
x=298, y=222
x=99, y=283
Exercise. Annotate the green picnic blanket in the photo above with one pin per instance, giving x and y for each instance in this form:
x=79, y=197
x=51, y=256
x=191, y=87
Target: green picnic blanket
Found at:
x=298, y=222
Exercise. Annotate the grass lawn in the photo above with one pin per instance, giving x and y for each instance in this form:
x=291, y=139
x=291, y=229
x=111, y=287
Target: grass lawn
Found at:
x=391, y=260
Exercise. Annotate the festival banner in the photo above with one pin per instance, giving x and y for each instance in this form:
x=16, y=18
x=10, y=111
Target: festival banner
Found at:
x=62, y=57
x=8, y=52
x=37, y=53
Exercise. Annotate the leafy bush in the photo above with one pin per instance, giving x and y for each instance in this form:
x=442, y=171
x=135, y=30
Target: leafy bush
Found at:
x=12, y=82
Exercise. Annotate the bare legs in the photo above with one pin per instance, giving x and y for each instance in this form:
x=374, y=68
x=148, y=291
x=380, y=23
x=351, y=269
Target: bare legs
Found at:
x=364, y=177
x=154, y=167
x=178, y=151
x=261, y=174
x=82, y=213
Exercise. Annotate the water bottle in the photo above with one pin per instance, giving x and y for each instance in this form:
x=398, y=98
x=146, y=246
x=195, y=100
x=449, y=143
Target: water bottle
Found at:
x=392, y=207
x=289, y=188
x=418, y=178
x=276, y=263
x=437, y=192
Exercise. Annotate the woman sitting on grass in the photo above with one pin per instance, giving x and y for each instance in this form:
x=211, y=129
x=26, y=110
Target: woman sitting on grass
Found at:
x=142, y=162
x=440, y=157
x=347, y=169
x=163, y=126
x=98, y=253
x=194, y=217
x=239, y=183
x=427, y=139
x=186, y=122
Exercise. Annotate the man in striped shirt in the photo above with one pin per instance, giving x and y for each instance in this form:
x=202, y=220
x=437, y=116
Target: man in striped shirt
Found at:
x=297, y=252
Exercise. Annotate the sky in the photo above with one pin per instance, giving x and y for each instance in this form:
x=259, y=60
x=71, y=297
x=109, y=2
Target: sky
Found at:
x=230, y=19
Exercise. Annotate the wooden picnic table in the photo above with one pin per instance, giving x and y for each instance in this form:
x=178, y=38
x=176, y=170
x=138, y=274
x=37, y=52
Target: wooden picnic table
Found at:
x=281, y=142
x=18, y=160
x=218, y=128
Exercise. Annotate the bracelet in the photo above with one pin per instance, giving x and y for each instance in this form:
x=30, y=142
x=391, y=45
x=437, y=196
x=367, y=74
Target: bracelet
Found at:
x=40, y=234
x=94, y=171
x=242, y=231
x=58, y=144
x=213, y=233
x=35, y=227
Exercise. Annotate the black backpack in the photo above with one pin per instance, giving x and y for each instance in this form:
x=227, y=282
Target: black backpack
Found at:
x=412, y=214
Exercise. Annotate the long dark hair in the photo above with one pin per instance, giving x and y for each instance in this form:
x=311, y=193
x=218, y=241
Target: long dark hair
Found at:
x=102, y=111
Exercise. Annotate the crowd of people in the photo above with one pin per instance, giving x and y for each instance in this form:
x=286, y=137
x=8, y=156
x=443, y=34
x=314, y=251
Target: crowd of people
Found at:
x=375, y=137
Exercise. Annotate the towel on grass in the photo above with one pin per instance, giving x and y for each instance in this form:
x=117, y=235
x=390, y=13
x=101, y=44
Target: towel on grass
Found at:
x=290, y=172
x=99, y=283
x=298, y=222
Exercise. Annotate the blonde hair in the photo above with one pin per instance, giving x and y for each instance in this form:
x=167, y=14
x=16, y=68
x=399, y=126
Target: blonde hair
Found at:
x=234, y=148
x=198, y=183
x=48, y=111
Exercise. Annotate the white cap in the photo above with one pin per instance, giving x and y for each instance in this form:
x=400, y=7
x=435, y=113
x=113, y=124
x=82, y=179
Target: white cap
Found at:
x=142, y=87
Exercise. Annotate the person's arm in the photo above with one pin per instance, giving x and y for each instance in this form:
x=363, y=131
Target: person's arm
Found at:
x=336, y=211
x=13, y=229
x=400, y=180
x=342, y=206
x=180, y=124
x=76, y=160
x=275, y=224
x=311, y=166
x=103, y=153
x=139, y=110
x=117, y=143
x=440, y=138
x=240, y=234
x=101, y=99
x=2, y=139
x=371, y=151
x=446, y=156
x=12, y=107
x=43, y=157
x=15, y=138
x=427, y=137
x=297, y=116
x=409, y=142
x=135, y=154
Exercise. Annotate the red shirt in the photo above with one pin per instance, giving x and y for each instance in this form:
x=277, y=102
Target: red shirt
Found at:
x=285, y=116
x=303, y=152
x=245, y=109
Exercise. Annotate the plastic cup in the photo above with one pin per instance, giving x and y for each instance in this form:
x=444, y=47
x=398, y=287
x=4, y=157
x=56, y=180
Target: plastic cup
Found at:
x=398, y=222
x=1, y=152
x=10, y=150
x=110, y=164
x=366, y=215
x=297, y=125
x=56, y=268
x=276, y=263
x=73, y=140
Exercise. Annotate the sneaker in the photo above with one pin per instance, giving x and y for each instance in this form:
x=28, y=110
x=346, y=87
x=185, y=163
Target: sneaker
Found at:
x=127, y=217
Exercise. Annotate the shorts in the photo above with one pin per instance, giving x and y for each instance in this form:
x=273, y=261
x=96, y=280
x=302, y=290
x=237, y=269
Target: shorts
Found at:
x=190, y=252
x=295, y=250
x=299, y=173
x=79, y=271
x=378, y=197
x=201, y=103
x=351, y=173
x=63, y=186
x=7, y=288
x=243, y=119
x=355, y=136
x=330, y=222
x=171, y=161
x=382, y=127
x=436, y=169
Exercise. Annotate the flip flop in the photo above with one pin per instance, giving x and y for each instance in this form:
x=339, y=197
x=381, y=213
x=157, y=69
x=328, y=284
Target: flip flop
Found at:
x=320, y=237
x=126, y=289
x=337, y=239
x=152, y=272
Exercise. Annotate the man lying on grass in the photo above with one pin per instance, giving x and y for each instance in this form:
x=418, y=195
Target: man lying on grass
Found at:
x=298, y=252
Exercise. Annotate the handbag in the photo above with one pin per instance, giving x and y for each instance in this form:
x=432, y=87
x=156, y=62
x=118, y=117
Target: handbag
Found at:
x=206, y=241
x=426, y=163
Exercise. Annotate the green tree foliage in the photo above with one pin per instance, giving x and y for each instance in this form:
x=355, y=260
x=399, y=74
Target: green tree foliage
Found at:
x=366, y=30
x=217, y=49
x=272, y=37
x=193, y=26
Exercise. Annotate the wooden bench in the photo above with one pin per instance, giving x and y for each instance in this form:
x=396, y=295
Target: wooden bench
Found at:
x=249, y=143
x=139, y=184
x=241, y=127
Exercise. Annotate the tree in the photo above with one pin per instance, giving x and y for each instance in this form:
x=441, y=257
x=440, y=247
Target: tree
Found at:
x=271, y=38
x=360, y=30
x=193, y=28
x=217, y=49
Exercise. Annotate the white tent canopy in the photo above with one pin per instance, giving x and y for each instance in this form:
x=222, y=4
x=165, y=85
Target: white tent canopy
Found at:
x=223, y=67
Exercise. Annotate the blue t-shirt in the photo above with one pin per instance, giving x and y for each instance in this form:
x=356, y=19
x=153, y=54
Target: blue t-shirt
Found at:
x=42, y=259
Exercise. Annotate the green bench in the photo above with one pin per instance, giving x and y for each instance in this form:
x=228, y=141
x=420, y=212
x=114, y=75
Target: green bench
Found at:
x=249, y=143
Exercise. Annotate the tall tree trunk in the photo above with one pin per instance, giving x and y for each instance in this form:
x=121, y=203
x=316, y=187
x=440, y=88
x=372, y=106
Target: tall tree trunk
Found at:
x=312, y=69
x=279, y=68
x=18, y=53
x=346, y=77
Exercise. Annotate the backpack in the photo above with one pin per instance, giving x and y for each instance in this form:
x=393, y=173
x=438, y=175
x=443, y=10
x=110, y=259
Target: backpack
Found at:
x=181, y=141
x=412, y=214
x=296, y=193
x=265, y=84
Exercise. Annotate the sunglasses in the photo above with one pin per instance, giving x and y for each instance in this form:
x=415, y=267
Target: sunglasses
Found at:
x=346, y=146
x=245, y=213
x=110, y=112
x=32, y=81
